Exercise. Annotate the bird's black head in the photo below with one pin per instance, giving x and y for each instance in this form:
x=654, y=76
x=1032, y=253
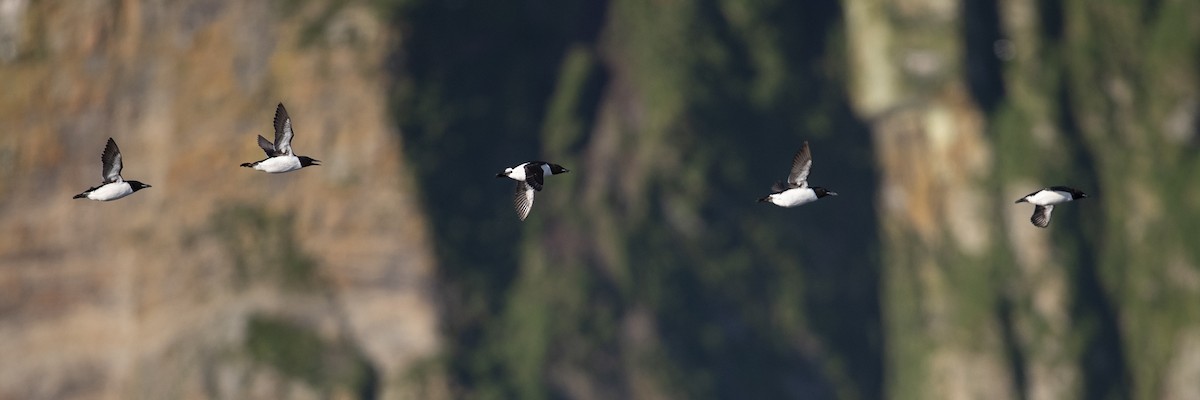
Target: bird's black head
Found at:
x=308, y=161
x=822, y=192
x=136, y=186
x=557, y=169
x=1076, y=194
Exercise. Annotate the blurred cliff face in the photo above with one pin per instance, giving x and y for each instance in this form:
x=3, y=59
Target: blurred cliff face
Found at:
x=967, y=98
x=219, y=281
x=647, y=272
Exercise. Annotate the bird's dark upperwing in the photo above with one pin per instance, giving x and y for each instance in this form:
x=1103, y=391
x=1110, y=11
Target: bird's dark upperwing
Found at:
x=111, y=158
x=533, y=175
x=1065, y=189
x=267, y=146
x=85, y=192
x=781, y=186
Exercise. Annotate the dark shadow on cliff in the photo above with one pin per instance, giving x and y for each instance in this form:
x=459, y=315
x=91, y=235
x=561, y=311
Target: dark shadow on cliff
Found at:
x=985, y=52
x=834, y=240
x=1012, y=347
x=839, y=236
x=1103, y=361
x=843, y=260
x=1050, y=13
x=471, y=82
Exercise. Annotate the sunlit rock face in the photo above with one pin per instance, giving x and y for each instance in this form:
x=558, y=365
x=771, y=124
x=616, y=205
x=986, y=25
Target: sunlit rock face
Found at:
x=192, y=288
x=934, y=200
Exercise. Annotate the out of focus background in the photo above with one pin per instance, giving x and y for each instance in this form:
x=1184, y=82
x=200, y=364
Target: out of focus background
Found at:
x=398, y=268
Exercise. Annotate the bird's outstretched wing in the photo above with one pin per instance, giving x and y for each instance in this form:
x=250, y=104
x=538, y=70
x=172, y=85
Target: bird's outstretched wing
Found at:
x=283, y=131
x=523, y=199
x=266, y=146
x=111, y=158
x=1041, y=216
x=801, y=163
x=533, y=175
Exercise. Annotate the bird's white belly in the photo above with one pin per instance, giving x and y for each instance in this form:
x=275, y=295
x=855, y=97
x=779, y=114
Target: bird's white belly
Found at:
x=1049, y=197
x=794, y=197
x=279, y=164
x=111, y=191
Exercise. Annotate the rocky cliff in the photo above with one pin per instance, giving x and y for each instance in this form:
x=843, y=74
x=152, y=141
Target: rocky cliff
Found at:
x=972, y=105
x=219, y=281
x=649, y=271
x=398, y=268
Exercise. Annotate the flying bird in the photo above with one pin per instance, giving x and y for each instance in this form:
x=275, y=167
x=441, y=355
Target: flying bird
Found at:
x=1045, y=199
x=795, y=190
x=530, y=177
x=280, y=158
x=113, y=187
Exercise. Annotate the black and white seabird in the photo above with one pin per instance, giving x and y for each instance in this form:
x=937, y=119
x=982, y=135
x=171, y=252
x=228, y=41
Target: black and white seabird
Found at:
x=1045, y=199
x=530, y=177
x=795, y=190
x=113, y=187
x=279, y=155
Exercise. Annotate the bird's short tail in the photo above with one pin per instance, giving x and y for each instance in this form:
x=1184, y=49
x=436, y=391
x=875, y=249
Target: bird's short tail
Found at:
x=1021, y=200
x=80, y=196
x=764, y=199
x=248, y=165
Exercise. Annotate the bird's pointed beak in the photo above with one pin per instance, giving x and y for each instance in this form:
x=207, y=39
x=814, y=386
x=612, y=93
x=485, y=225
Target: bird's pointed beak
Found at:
x=500, y=175
x=566, y=170
x=833, y=193
x=764, y=199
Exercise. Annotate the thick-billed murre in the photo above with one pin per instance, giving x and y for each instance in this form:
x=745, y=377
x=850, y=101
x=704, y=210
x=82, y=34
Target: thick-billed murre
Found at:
x=113, y=187
x=279, y=155
x=1045, y=199
x=795, y=190
x=530, y=177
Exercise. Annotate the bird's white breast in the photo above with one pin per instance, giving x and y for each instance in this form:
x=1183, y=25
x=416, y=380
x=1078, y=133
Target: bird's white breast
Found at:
x=1049, y=197
x=279, y=164
x=518, y=172
x=111, y=191
x=793, y=197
